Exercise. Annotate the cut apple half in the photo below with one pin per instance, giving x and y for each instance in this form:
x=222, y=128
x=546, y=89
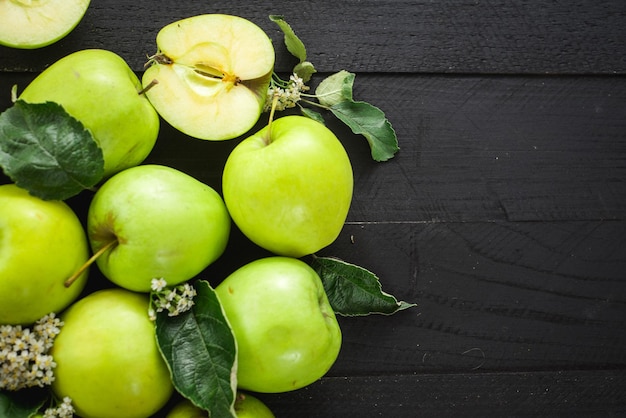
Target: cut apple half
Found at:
x=30, y=24
x=210, y=76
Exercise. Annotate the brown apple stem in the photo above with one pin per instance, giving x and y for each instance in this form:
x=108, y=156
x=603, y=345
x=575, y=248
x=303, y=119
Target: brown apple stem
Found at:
x=148, y=87
x=89, y=262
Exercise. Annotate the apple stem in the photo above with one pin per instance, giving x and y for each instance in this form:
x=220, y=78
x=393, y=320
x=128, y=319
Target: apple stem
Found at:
x=89, y=262
x=272, y=110
x=148, y=87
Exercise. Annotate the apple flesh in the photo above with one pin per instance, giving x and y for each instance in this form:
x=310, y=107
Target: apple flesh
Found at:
x=153, y=221
x=30, y=24
x=289, y=187
x=108, y=361
x=42, y=243
x=213, y=72
x=286, y=331
x=98, y=88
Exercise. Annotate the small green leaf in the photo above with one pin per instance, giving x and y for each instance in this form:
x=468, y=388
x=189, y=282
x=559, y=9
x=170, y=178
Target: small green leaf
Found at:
x=304, y=70
x=294, y=45
x=22, y=403
x=312, y=114
x=48, y=152
x=353, y=290
x=369, y=121
x=201, y=352
x=335, y=88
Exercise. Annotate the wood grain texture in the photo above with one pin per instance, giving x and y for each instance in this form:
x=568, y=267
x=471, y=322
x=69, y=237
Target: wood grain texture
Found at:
x=537, y=394
x=467, y=36
x=503, y=216
x=491, y=296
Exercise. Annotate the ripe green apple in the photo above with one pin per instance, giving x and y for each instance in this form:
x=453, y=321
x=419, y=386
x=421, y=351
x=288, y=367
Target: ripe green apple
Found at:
x=286, y=331
x=289, y=186
x=107, y=357
x=42, y=243
x=213, y=72
x=30, y=24
x=153, y=221
x=99, y=89
x=246, y=406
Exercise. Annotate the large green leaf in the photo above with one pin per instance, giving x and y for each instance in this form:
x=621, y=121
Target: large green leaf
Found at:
x=368, y=120
x=48, y=152
x=353, y=290
x=201, y=352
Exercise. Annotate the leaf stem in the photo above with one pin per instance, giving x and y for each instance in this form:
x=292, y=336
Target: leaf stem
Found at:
x=89, y=262
x=315, y=104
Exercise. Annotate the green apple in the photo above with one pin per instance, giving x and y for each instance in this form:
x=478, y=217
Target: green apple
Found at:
x=107, y=357
x=42, y=243
x=213, y=72
x=30, y=24
x=153, y=221
x=186, y=409
x=99, y=89
x=289, y=186
x=246, y=406
x=286, y=331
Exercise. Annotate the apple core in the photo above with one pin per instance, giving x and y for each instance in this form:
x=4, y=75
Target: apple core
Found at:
x=213, y=72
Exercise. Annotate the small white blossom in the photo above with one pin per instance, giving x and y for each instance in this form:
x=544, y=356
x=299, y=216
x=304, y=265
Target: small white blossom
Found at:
x=174, y=300
x=24, y=361
x=158, y=284
x=63, y=410
x=286, y=96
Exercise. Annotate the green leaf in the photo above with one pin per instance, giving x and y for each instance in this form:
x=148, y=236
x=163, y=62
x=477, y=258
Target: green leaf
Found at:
x=294, y=45
x=22, y=403
x=312, y=114
x=353, y=290
x=304, y=70
x=369, y=121
x=201, y=352
x=335, y=88
x=48, y=152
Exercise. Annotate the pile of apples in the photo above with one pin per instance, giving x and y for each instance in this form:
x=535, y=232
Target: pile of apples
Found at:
x=287, y=187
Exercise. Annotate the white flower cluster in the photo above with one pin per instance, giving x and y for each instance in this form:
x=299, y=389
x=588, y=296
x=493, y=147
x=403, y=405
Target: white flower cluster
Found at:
x=174, y=300
x=24, y=358
x=287, y=96
x=64, y=410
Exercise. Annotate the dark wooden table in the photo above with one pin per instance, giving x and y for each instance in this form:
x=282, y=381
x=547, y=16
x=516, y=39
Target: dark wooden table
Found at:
x=503, y=216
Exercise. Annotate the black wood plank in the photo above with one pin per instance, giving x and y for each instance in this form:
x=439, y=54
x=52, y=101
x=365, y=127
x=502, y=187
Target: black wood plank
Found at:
x=538, y=394
x=492, y=36
x=495, y=148
x=472, y=148
x=491, y=296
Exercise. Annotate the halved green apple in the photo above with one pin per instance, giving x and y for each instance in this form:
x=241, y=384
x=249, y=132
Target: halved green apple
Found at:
x=30, y=24
x=211, y=72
